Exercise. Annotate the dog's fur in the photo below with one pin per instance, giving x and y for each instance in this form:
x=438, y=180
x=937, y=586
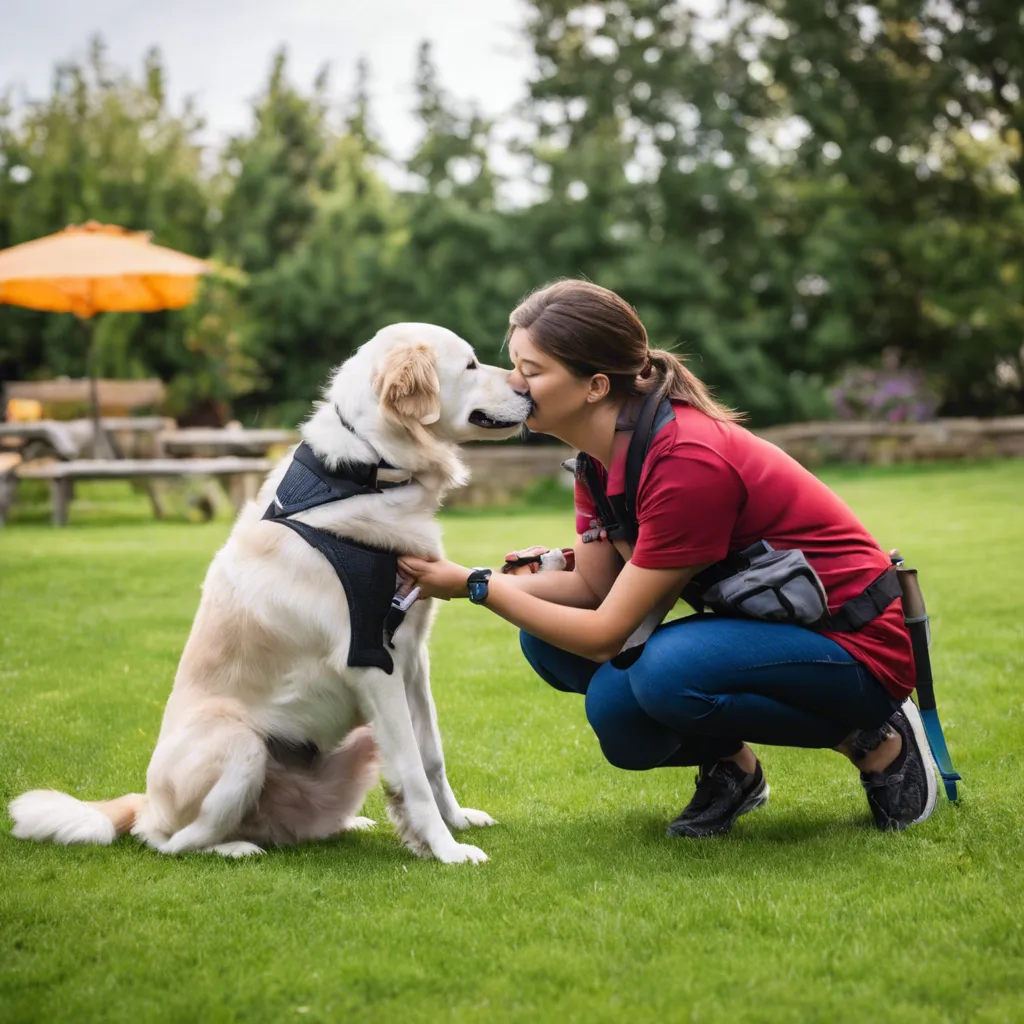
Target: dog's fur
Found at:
x=267, y=655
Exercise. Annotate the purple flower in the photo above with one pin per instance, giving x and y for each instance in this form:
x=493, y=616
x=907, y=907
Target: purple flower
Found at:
x=892, y=394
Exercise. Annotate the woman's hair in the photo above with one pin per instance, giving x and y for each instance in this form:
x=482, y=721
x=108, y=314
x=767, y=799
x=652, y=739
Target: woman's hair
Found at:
x=591, y=330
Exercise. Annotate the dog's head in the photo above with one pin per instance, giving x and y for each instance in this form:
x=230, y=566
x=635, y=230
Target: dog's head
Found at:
x=428, y=379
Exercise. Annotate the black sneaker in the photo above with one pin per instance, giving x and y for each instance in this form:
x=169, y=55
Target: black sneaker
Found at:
x=724, y=792
x=904, y=793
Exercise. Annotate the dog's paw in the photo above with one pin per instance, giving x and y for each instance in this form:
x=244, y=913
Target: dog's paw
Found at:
x=461, y=853
x=468, y=818
x=236, y=849
x=357, y=824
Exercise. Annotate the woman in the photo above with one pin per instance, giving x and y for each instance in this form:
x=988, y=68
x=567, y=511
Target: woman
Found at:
x=706, y=686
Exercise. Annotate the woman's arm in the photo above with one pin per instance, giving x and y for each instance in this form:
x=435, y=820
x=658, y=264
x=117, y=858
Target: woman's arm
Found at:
x=597, y=566
x=564, y=588
x=595, y=633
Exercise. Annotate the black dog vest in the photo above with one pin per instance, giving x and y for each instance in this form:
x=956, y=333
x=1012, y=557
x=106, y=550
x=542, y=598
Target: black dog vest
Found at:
x=367, y=574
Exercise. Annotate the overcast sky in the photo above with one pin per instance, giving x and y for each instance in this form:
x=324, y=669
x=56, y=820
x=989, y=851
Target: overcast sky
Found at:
x=219, y=50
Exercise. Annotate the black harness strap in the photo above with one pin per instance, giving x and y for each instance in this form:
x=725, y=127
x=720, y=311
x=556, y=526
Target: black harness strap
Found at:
x=865, y=606
x=367, y=574
x=618, y=512
x=587, y=471
x=309, y=483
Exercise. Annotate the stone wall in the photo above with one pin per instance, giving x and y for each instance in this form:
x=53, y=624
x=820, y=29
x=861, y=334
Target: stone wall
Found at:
x=500, y=474
x=814, y=444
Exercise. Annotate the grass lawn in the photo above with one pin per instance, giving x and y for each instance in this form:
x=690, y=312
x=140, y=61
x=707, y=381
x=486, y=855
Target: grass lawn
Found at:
x=586, y=911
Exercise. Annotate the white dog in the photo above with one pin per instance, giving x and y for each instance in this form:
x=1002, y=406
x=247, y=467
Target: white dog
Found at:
x=270, y=735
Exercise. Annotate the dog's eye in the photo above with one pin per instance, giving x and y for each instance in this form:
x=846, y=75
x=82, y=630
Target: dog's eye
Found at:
x=472, y=365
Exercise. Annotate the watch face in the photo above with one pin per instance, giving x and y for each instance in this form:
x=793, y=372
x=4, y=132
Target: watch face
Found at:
x=478, y=585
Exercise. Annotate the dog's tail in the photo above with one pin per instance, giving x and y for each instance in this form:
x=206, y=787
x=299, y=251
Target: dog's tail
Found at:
x=51, y=817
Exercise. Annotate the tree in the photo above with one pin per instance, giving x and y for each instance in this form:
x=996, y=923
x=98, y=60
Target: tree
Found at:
x=651, y=189
x=792, y=187
x=786, y=190
x=274, y=175
x=904, y=192
x=103, y=146
x=313, y=224
x=454, y=265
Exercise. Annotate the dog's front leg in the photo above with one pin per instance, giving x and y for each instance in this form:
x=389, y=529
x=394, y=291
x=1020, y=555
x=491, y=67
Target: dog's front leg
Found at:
x=412, y=803
x=428, y=737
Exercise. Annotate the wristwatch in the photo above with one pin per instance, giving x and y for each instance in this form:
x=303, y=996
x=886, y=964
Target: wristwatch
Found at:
x=477, y=584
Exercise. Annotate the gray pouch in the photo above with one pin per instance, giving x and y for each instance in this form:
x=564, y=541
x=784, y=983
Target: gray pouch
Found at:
x=776, y=586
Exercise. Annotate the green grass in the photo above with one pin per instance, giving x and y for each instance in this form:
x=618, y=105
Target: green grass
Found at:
x=586, y=911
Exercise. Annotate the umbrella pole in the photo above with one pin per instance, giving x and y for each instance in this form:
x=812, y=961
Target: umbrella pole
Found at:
x=90, y=369
x=100, y=447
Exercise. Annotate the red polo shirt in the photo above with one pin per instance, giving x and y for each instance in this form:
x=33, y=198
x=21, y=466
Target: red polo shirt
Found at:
x=709, y=489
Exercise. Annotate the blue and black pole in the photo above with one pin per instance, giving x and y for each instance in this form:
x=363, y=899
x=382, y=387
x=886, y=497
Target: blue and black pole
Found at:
x=916, y=617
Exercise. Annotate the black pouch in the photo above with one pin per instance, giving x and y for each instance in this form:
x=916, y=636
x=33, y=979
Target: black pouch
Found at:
x=770, y=585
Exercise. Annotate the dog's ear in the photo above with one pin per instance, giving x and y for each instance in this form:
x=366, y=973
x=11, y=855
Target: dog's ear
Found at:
x=408, y=385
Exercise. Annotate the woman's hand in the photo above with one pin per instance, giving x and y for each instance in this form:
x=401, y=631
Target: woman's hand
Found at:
x=525, y=562
x=538, y=559
x=435, y=578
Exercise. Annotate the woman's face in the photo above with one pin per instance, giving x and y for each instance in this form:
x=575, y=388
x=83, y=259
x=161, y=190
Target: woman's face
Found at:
x=559, y=396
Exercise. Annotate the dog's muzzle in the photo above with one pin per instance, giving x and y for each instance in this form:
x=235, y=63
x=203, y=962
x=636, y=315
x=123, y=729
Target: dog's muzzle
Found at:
x=480, y=419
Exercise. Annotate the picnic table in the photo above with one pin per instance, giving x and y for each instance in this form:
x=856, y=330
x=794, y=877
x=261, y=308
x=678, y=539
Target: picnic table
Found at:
x=71, y=439
x=197, y=441
x=66, y=439
x=61, y=476
x=240, y=465
x=71, y=450
x=116, y=397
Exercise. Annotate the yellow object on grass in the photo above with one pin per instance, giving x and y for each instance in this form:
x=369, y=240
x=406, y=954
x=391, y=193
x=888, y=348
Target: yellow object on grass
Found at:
x=24, y=410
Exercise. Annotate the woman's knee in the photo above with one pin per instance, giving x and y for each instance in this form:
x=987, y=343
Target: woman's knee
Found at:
x=532, y=648
x=556, y=667
x=629, y=739
x=676, y=692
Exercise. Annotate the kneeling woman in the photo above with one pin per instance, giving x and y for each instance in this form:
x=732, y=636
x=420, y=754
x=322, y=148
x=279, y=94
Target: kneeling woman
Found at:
x=703, y=687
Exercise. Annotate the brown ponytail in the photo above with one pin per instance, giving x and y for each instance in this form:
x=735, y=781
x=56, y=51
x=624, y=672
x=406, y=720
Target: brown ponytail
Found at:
x=592, y=330
x=684, y=385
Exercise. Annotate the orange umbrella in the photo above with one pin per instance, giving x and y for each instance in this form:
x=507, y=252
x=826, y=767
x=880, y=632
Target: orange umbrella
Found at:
x=96, y=268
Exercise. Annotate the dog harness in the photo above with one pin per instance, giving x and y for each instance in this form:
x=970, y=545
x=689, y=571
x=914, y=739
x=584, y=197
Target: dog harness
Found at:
x=366, y=574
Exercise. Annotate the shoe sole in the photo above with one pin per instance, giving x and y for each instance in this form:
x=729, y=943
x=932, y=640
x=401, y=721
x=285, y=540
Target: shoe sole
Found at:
x=754, y=800
x=913, y=716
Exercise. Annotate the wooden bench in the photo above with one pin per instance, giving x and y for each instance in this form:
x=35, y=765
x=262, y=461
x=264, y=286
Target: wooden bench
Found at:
x=126, y=436
x=61, y=476
x=65, y=440
x=116, y=397
x=199, y=441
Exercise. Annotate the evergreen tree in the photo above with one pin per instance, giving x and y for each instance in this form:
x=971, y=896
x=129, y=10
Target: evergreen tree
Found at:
x=319, y=241
x=455, y=263
x=785, y=191
x=102, y=146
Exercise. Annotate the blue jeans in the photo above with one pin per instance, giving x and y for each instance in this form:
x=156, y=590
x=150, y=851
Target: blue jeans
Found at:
x=704, y=685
